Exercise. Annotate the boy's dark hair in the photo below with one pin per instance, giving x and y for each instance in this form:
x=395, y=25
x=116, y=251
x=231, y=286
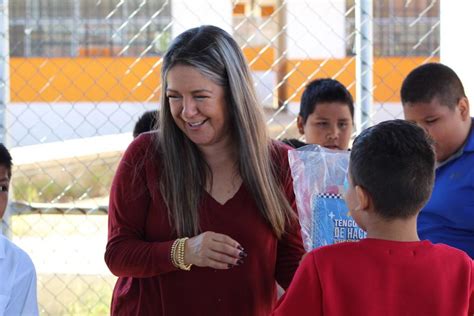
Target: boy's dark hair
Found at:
x=6, y=159
x=323, y=91
x=394, y=161
x=146, y=122
x=430, y=81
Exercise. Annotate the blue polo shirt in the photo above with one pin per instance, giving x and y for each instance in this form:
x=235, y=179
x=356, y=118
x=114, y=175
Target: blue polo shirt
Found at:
x=448, y=217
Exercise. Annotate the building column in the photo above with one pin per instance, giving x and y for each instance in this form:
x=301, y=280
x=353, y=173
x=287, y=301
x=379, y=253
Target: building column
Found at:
x=316, y=29
x=188, y=14
x=456, y=46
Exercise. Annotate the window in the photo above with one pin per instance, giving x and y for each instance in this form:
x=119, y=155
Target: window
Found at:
x=398, y=28
x=89, y=27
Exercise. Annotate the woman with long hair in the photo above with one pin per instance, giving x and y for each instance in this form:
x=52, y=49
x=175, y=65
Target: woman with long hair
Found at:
x=202, y=215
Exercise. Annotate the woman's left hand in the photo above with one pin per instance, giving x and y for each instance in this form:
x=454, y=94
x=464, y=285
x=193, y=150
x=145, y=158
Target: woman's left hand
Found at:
x=213, y=250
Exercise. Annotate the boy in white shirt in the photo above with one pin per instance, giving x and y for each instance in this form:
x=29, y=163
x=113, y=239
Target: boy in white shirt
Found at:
x=17, y=272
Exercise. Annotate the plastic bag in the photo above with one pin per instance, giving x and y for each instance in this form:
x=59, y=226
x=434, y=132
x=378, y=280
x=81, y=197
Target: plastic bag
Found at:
x=318, y=180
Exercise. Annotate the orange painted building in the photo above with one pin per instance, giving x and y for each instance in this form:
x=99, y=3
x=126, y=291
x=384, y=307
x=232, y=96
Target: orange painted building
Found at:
x=113, y=79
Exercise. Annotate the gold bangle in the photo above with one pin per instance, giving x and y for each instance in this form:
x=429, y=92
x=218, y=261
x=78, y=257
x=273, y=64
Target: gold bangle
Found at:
x=180, y=255
x=173, y=253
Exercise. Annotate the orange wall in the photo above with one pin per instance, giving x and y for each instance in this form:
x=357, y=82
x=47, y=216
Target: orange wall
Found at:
x=84, y=79
x=126, y=79
x=389, y=73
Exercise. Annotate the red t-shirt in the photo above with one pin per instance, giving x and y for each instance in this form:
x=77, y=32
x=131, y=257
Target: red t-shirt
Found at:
x=140, y=239
x=382, y=278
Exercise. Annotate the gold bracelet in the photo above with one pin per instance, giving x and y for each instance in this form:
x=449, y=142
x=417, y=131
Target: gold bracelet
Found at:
x=179, y=255
x=173, y=253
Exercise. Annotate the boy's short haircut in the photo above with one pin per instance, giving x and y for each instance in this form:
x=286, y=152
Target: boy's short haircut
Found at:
x=6, y=159
x=324, y=91
x=430, y=81
x=394, y=162
x=146, y=122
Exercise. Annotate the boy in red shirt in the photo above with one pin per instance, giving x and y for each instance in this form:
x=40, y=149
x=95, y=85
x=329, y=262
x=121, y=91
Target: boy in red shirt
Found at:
x=392, y=272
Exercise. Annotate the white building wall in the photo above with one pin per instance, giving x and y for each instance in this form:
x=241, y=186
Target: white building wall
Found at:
x=316, y=29
x=188, y=14
x=457, y=23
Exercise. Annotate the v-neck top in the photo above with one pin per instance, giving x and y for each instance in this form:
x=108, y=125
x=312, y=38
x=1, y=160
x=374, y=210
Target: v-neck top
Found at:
x=140, y=239
x=210, y=197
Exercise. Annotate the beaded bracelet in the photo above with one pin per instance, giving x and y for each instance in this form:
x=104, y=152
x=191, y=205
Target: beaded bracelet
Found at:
x=177, y=254
x=173, y=253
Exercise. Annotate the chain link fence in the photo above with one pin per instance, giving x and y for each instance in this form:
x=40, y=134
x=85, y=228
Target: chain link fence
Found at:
x=76, y=74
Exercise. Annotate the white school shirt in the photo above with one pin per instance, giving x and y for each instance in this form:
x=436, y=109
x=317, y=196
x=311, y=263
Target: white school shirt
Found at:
x=17, y=281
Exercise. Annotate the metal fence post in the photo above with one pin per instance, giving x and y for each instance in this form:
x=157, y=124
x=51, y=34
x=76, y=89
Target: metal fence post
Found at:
x=364, y=63
x=4, y=87
x=280, y=55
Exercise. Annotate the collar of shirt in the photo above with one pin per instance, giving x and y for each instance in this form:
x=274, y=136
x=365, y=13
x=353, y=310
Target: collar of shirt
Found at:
x=467, y=147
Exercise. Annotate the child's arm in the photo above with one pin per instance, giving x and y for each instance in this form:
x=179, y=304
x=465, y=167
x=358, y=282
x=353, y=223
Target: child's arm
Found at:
x=304, y=296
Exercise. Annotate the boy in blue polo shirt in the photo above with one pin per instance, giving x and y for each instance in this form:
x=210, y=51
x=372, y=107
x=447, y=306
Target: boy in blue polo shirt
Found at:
x=433, y=97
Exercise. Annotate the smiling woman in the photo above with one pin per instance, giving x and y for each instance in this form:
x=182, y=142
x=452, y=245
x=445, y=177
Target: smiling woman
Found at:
x=202, y=215
x=197, y=105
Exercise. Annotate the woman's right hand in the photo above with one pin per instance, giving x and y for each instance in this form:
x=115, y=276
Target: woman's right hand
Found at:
x=213, y=250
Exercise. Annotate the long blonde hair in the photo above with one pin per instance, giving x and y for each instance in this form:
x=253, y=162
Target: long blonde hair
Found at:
x=184, y=174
